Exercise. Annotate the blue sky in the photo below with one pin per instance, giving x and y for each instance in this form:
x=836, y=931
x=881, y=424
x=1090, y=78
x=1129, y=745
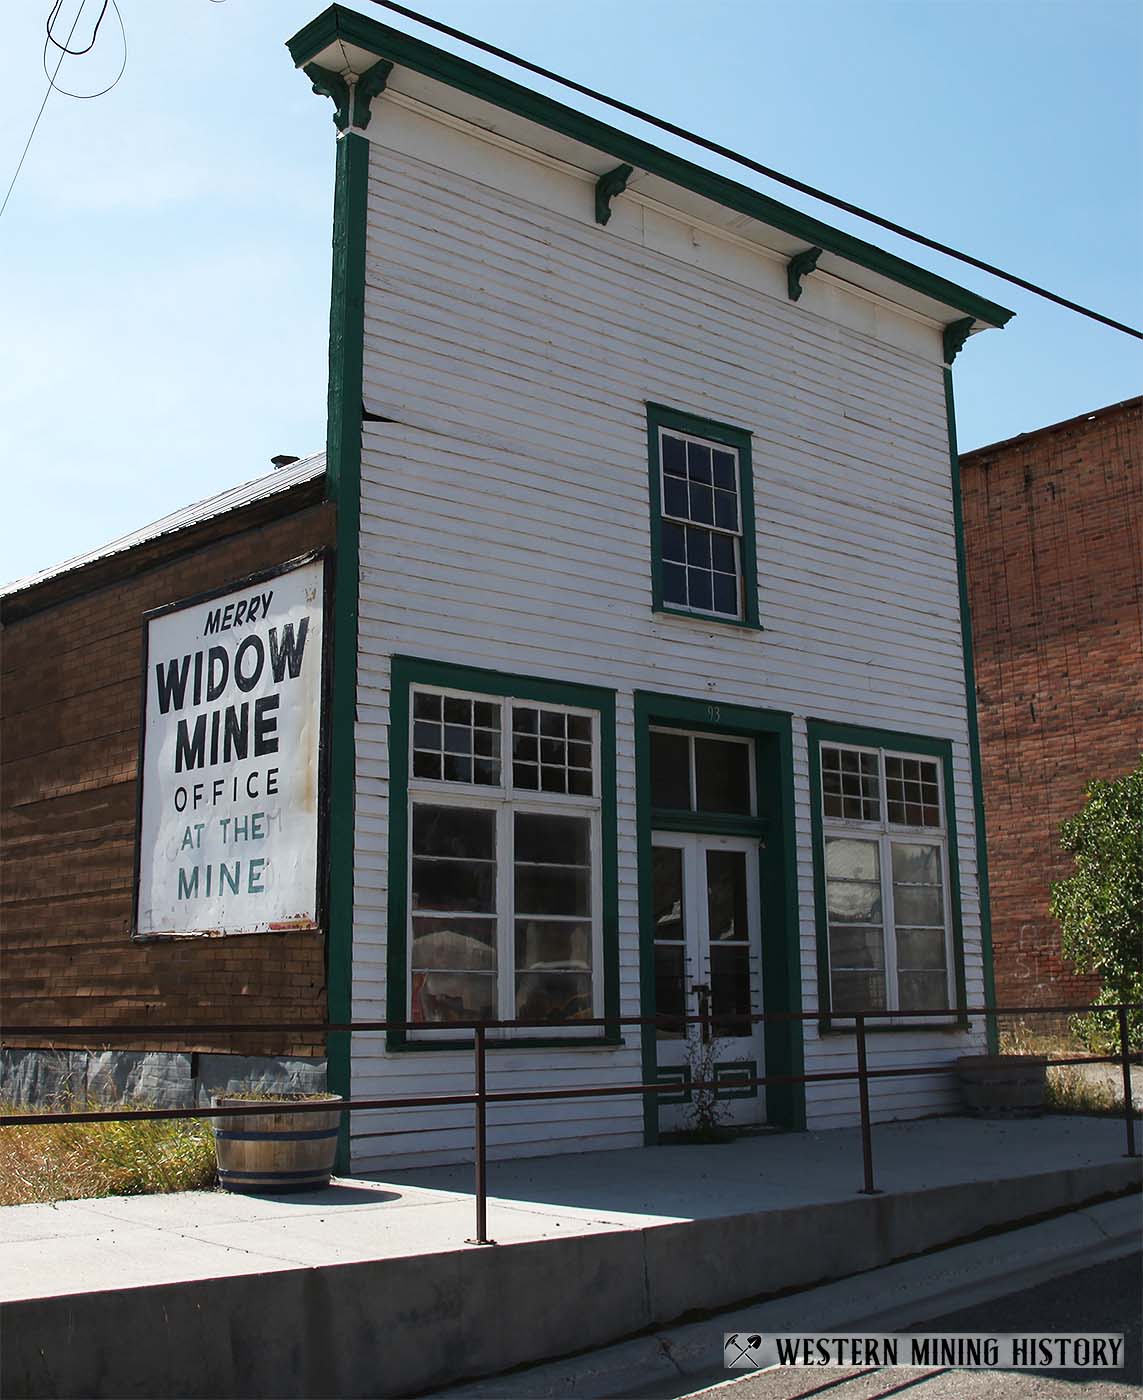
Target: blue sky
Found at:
x=164, y=258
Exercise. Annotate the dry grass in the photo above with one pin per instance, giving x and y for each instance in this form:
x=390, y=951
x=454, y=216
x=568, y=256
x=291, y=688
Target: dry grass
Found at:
x=1071, y=1088
x=266, y=1096
x=1020, y=1040
x=71, y=1161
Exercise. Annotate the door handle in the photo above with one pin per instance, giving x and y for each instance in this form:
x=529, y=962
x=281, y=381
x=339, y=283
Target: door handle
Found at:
x=702, y=991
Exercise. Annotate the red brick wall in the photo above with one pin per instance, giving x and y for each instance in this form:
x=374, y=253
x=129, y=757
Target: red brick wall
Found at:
x=1054, y=542
x=69, y=732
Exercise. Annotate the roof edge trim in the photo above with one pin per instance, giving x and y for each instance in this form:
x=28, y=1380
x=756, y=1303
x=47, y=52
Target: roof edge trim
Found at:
x=339, y=24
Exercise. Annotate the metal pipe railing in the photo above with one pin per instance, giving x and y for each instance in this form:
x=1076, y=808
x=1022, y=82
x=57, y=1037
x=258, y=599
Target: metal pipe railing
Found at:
x=160, y=1030
x=481, y=1096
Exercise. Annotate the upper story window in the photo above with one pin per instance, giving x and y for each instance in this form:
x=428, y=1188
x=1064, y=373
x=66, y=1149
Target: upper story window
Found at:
x=504, y=859
x=702, y=518
x=886, y=865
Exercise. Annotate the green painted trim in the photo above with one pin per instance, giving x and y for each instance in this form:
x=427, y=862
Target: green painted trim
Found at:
x=667, y=611
x=675, y=1074
x=973, y=725
x=606, y=189
x=730, y=1070
x=954, y=337
x=343, y=486
x=771, y=731
x=822, y=731
x=821, y=923
x=660, y=416
x=708, y=823
x=337, y=23
x=396, y=946
x=800, y=266
x=351, y=101
x=371, y=84
x=407, y=671
x=714, y=717
x=332, y=85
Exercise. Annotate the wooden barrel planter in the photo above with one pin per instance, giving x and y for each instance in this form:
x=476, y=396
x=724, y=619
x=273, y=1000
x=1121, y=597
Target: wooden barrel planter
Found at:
x=1003, y=1086
x=276, y=1152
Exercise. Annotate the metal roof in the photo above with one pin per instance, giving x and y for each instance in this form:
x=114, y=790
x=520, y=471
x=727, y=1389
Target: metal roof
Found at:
x=258, y=489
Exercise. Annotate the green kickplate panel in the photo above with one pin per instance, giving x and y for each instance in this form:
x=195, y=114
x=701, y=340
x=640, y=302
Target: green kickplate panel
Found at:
x=734, y=1074
x=676, y=1074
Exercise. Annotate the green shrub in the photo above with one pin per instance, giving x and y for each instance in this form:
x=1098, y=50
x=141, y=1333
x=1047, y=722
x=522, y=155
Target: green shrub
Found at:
x=1100, y=907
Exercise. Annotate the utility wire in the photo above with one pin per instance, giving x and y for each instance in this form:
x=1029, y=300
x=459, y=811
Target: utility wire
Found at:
x=767, y=171
x=40, y=113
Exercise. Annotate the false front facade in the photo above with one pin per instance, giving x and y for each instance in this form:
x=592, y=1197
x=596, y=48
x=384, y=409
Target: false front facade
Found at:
x=651, y=695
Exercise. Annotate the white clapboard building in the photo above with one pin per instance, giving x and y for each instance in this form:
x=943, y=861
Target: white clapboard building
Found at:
x=651, y=687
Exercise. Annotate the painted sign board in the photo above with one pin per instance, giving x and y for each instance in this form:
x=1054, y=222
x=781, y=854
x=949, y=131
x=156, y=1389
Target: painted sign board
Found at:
x=230, y=769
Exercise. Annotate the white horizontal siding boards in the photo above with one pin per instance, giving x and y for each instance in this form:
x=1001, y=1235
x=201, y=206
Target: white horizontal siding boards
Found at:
x=512, y=345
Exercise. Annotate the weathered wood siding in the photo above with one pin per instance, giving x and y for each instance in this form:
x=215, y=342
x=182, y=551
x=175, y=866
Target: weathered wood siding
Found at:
x=513, y=343
x=72, y=659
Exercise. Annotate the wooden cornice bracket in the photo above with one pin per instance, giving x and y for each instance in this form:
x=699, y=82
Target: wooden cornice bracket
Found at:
x=350, y=100
x=955, y=336
x=799, y=266
x=327, y=83
x=370, y=85
x=607, y=187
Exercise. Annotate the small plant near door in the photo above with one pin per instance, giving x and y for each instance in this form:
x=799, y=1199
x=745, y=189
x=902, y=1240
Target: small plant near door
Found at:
x=706, y=1114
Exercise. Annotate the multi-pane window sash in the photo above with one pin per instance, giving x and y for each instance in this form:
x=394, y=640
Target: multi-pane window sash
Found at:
x=701, y=524
x=886, y=876
x=504, y=866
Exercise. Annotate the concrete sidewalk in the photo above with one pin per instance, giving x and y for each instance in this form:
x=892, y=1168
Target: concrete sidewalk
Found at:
x=370, y=1289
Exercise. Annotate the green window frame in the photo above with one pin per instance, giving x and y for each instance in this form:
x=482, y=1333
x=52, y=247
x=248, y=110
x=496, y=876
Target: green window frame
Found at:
x=822, y=734
x=731, y=533
x=411, y=675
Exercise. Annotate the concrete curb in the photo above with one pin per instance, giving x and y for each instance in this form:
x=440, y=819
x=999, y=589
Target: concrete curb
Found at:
x=885, y=1299
x=403, y=1325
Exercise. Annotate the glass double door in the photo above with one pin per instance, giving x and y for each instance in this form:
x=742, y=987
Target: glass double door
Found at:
x=708, y=964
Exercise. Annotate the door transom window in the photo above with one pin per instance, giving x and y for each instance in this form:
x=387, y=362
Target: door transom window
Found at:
x=697, y=772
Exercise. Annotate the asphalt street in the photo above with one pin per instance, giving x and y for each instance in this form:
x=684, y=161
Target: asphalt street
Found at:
x=1105, y=1298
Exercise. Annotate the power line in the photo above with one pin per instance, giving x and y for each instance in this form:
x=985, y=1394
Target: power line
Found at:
x=767, y=171
x=43, y=104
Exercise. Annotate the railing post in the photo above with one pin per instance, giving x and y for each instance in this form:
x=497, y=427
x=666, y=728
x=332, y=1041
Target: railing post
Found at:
x=1128, y=1101
x=481, y=1106
x=866, y=1127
